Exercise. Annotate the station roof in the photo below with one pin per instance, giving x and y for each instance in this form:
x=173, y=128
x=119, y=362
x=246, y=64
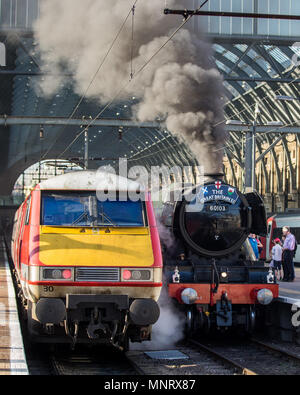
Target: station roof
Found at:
x=257, y=63
x=257, y=73
x=252, y=73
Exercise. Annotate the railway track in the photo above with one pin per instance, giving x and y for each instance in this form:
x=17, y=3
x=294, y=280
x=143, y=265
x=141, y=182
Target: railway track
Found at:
x=44, y=359
x=253, y=357
x=90, y=361
x=223, y=358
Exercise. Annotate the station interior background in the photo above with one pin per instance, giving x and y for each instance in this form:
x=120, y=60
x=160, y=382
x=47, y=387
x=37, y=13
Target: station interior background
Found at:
x=258, y=60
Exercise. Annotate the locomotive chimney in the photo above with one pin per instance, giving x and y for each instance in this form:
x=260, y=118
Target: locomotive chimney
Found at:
x=211, y=177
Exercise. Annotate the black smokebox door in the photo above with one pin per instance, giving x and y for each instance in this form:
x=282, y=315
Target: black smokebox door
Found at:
x=216, y=228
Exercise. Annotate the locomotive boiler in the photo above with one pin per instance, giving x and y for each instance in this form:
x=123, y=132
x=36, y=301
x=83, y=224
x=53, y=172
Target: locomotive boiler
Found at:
x=211, y=271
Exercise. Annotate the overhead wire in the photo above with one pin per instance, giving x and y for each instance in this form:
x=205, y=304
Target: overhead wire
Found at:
x=133, y=77
x=275, y=130
x=241, y=112
x=144, y=66
x=96, y=73
x=132, y=42
x=247, y=109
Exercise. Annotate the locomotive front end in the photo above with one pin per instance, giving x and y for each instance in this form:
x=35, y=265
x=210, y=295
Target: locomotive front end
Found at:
x=211, y=270
x=94, y=270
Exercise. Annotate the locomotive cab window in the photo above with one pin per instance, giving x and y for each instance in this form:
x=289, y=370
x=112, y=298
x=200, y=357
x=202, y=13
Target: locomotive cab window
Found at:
x=269, y=228
x=84, y=209
x=27, y=212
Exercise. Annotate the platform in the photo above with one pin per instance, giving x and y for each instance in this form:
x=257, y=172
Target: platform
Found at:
x=290, y=292
x=12, y=355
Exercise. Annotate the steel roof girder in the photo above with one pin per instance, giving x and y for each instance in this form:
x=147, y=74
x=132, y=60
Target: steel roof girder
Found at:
x=25, y=120
x=248, y=60
x=231, y=167
x=291, y=168
x=264, y=167
x=278, y=173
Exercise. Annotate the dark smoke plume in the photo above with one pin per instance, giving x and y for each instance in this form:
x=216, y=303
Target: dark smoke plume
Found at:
x=180, y=85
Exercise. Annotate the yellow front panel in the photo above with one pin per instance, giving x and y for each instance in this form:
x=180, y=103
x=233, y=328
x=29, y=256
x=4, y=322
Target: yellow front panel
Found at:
x=61, y=246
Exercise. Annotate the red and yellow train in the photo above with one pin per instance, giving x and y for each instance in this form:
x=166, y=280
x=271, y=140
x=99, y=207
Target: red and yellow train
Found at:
x=89, y=270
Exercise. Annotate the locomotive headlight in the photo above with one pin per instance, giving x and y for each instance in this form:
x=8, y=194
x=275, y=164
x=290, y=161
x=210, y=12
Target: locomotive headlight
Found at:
x=189, y=296
x=264, y=296
x=136, y=274
x=224, y=276
x=56, y=274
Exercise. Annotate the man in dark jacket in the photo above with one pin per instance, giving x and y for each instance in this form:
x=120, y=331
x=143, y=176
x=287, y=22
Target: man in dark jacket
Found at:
x=288, y=254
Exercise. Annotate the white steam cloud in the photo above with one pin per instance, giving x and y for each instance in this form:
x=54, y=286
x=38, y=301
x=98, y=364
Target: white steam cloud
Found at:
x=165, y=234
x=168, y=330
x=180, y=84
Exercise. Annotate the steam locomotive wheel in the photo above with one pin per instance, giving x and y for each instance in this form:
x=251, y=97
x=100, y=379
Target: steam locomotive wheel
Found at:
x=250, y=320
x=206, y=323
x=195, y=321
x=125, y=343
x=190, y=321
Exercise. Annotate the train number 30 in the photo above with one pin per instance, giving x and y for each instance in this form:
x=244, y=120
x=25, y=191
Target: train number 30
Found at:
x=48, y=288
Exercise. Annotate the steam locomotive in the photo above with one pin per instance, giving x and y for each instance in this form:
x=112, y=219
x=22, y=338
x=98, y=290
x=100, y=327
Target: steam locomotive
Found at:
x=210, y=270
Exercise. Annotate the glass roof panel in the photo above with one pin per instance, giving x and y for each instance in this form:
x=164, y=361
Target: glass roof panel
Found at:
x=280, y=57
x=218, y=48
x=222, y=66
x=253, y=54
x=231, y=89
x=241, y=47
x=296, y=48
x=232, y=57
x=247, y=69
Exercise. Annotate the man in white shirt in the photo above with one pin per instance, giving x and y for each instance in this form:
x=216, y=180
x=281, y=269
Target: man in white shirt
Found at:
x=277, y=258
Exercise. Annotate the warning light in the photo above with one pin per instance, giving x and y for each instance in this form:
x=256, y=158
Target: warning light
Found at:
x=126, y=275
x=67, y=274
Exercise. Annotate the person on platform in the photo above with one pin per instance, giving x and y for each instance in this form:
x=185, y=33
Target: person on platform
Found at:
x=283, y=260
x=259, y=245
x=277, y=258
x=288, y=254
x=253, y=241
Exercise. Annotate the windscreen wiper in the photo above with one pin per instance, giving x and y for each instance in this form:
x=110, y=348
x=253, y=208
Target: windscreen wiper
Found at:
x=82, y=216
x=108, y=219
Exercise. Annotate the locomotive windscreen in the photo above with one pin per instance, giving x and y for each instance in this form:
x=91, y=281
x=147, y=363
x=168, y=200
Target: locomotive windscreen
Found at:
x=82, y=208
x=214, y=220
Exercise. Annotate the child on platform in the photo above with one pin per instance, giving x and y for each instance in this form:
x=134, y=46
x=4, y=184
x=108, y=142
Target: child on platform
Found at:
x=277, y=259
